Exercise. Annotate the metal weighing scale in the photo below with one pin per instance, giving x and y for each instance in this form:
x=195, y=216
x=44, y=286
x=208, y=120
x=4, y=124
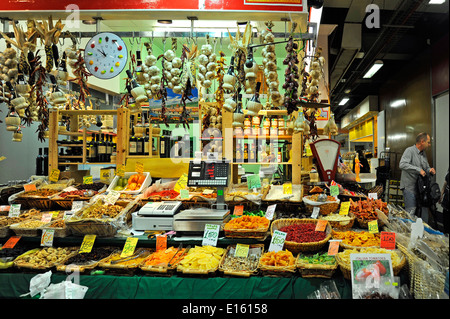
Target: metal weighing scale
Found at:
x=212, y=173
x=326, y=152
x=156, y=216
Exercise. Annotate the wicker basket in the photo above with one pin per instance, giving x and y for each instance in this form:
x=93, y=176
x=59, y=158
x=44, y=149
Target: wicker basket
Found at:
x=347, y=270
x=363, y=223
x=163, y=269
x=106, y=227
x=343, y=225
x=191, y=271
x=347, y=246
x=66, y=203
x=295, y=247
x=244, y=272
x=142, y=252
x=82, y=267
x=308, y=270
x=256, y=233
x=19, y=230
x=22, y=264
x=60, y=232
x=276, y=271
x=325, y=207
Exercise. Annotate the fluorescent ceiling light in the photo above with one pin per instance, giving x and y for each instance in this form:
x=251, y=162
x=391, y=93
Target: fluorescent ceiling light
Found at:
x=398, y=103
x=344, y=100
x=436, y=2
x=374, y=69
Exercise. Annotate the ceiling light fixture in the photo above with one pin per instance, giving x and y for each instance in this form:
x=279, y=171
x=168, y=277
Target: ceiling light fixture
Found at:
x=164, y=21
x=398, y=103
x=436, y=2
x=374, y=69
x=344, y=101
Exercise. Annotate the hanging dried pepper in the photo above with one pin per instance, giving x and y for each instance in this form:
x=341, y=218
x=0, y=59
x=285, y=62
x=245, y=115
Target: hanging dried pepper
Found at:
x=39, y=73
x=186, y=85
x=163, y=91
x=81, y=77
x=291, y=75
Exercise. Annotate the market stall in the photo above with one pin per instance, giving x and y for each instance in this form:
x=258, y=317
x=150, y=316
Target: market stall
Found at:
x=209, y=175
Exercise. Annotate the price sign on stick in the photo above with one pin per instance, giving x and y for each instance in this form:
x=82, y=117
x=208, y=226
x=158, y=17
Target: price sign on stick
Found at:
x=139, y=166
x=334, y=190
x=54, y=175
x=47, y=237
x=161, y=242
x=344, y=209
x=321, y=225
x=373, y=226
x=87, y=180
x=86, y=245
x=277, y=242
x=210, y=235
x=129, y=247
x=238, y=210
x=315, y=213
x=12, y=241
x=270, y=211
x=333, y=247
x=387, y=240
x=29, y=187
x=14, y=210
x=241, y=250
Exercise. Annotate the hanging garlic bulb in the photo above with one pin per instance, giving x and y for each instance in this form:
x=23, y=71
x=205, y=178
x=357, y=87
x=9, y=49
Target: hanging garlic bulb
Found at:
x=311, y=81
x=207, y=64
x=270, y=65
x=152, y=71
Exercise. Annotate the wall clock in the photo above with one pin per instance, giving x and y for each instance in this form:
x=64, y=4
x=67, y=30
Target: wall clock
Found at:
x=105, y=55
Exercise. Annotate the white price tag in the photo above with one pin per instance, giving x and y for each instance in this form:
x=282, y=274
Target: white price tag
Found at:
x=315, y=213
x=14, y=210
x=277, y=242
x=270, y=211
x=210, y=235
x=47, y=237
x=77, y=205
x=112, y=197
x=373, y=195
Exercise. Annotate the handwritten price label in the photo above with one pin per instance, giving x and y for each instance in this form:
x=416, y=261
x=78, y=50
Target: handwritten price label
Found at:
x=373, y=226
x=29, y=187
x=334, y=190
x=321, y=224
x=120, y=171
x=129, y=247
x=333, y=248
x=210, y=235
x=14, y=210
x=277, y=242
x=87, y=180
x=241, y=250
x=87, y=244
x=287, y=188
x=387, y=240
x=270, y=211
x=12, y=241
x=139, y=166
x=345, y=207
x=54, y=175
x=161, y=242
x=47, y=237
x=238, y=210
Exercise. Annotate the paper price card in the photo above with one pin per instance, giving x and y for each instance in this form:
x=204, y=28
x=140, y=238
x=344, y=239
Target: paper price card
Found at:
x=238, y=210
x=47, y=237
x=14, y=210
x=129, y=247
x=210, y=235
x=334, y=190
x=344, y=209
x=161, y=242
x=372, y=195
x=277, y=242
x=120, y=171
x=77, y=205
x=333, y=247
x=4, y=208
x=54, y=175
x=29, y=187
x=315, y=213
x=139, y=167
x=241, y=250
x=87, y=180
x=387, y=240
x=47, y=218
x=321, y=225
x=287, y=188
x=373, y=226
x=184, y=193
x=112, y=197
x=181, y=183
x=11, y=242
x=270, y=211
x=86, y=245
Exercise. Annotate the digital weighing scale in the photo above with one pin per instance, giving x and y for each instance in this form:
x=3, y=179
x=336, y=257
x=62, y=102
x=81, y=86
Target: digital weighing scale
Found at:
x=209, y=173
x=156, y=216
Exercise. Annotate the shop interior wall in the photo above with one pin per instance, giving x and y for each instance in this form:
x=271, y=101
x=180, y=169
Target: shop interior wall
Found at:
x=413, y=85
x=442, y=134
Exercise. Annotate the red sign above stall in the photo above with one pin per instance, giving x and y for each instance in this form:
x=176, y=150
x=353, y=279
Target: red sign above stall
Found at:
x=86, y=5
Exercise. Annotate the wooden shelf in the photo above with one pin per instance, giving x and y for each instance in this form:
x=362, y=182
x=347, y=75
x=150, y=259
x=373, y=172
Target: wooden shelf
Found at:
x=274, y=163
x=267, y=137
x=88, y=112
x=70, y=133
x=70, y=156
x=70, y=145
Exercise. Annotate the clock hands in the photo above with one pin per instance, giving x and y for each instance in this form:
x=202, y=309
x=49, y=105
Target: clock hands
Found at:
x=104, y=54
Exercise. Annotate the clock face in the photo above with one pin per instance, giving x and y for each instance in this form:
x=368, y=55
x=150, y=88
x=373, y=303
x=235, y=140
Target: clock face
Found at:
x=105, y=55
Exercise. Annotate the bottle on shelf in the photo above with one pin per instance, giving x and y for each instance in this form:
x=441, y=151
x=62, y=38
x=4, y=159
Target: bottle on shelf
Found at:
x=45, y=162
x=132, y=149
x=109, y=148
x=252, y=153
x=147, y=142
x=245, y=152
x=101, y=149
x=94, y=149
x=39, y=163
x=139, y=145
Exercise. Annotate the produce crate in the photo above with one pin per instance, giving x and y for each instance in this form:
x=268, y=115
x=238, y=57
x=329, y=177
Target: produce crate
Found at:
x=256, y=233
x=145, y=184
x=295, y=247
x=240, y=272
